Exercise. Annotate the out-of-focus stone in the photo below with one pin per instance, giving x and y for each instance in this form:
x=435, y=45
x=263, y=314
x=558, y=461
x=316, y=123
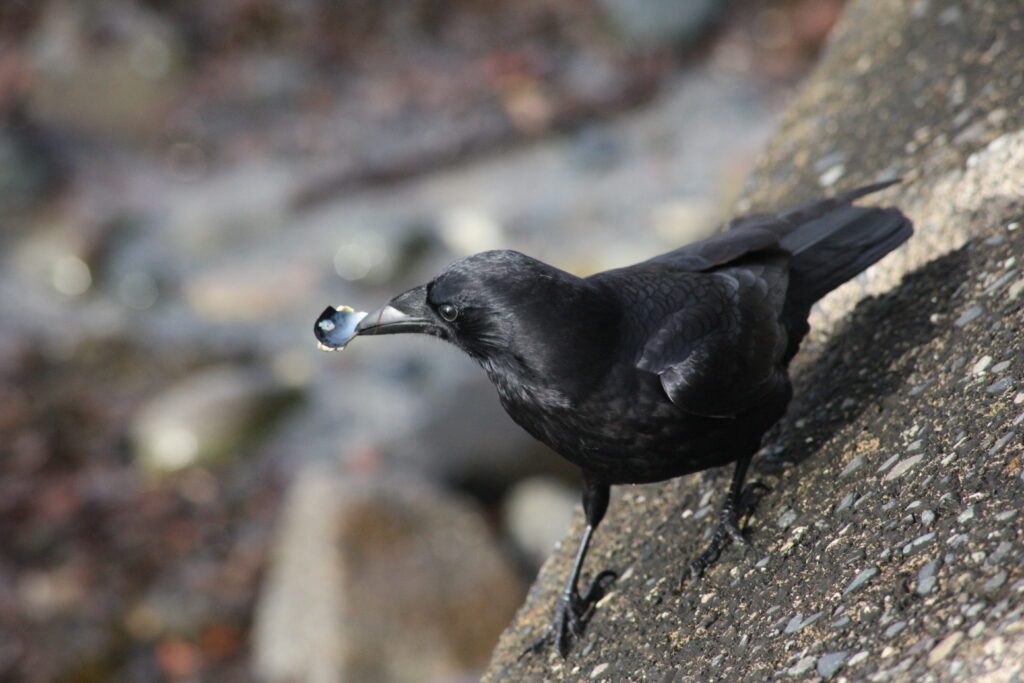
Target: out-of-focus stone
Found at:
x=681, y=221
x=662, y=22
x=537, y=512
x=118, y=85
x=249, y=291
x=31, y=165
x=207, y=417
x=378, y=580
x=464, y=438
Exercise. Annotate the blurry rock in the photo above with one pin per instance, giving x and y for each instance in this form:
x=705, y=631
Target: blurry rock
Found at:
x=657, y=23
x=380, y=581
x=32, y=164
x=227, y=212
x=537, y=513
x=468, y=229
x=72, y=254
x=103, y=68
x=249, y=290
x=465, y=438
x=53, y=257
x=207, y=417
x=684, y=220
x=596, y=148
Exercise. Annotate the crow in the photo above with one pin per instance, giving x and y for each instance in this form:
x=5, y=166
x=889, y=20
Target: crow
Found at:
x=644, y=373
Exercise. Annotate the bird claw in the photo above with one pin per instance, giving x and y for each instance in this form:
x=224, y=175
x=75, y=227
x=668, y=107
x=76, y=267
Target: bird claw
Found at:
x=750, y=495
x=725, y=532
x=571, y=616
x=728, y=530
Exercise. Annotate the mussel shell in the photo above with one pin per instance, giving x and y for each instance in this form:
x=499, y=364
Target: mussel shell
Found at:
x=336, y=327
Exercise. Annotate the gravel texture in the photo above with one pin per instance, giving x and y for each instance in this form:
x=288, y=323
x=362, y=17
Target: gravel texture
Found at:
x=896, y=475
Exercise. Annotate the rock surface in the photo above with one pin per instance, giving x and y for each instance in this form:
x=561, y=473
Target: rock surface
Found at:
x=377, y=580
x=207, y=418
x=890, y=546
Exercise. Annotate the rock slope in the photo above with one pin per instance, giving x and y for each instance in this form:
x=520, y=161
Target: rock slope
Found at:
x=890, y=546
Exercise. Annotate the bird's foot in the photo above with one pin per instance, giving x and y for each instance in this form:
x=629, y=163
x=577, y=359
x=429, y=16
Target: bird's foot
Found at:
x=571, y=616
x=728, y=530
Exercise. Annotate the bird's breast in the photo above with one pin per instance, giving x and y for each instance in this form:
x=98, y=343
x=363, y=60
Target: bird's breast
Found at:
x=630, y=432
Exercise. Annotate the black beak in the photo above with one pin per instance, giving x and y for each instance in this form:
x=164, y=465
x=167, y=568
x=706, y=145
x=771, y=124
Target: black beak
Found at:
x=406, y=313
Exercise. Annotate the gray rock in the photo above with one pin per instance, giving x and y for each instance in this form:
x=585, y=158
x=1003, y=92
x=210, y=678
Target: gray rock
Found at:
x=926, y=577
x=888, y=463
x=793, y=625
x=661, y=22
x=995, y=582
x=463, y=437
x=537, y=512
x=861, y=579
x=902, y=467
x=894, y=629
x=208, y=417
x=135, y=68
x=852, y=466
x=919, y=543
x=1001, y=552
x=967, y=515
x=380, y=580
x=999, y=386
x=786, y=519
x=802, y=667
x=829, y=664
x=969, y=316
x=846, y=502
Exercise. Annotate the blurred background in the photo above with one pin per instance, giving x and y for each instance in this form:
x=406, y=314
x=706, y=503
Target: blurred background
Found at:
x=189, y=490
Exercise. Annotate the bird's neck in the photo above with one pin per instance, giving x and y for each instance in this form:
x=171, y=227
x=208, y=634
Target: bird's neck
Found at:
x=560, y=356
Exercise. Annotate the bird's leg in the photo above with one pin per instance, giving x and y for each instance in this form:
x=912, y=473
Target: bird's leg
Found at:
x=737, y=502
x=573, y=610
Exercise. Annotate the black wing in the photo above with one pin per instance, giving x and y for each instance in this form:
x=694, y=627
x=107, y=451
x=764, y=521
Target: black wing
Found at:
x=725, y=344
x=720, y=352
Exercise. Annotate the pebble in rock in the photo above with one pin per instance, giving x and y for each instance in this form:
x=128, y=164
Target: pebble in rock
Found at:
x=999, y=386
x=802, y=667
x=862, y=578
x=852, y=466
x=926, y=578
x=829, y=664
x=969, y=316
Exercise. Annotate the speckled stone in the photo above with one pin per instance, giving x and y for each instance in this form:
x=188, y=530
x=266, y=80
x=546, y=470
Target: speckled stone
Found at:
x=802, y=667
x=926, y=577
x=852, y=466
x=830, y=663
x=945, y=647
x=995, y=582
x=903, y=466
x=862, y=578
x=969, y=316
x=999, y=386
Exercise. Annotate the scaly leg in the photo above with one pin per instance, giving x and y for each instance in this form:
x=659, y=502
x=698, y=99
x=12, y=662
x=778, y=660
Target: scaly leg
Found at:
x=737, y=502
x=573, y=610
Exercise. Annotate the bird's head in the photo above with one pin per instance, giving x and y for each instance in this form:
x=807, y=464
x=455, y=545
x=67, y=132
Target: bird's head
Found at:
x=512, y=313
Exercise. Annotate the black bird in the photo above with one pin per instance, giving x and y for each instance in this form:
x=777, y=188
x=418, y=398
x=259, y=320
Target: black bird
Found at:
x=652, y=371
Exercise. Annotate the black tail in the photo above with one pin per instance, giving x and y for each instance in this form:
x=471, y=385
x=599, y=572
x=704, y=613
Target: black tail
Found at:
x=832, y=249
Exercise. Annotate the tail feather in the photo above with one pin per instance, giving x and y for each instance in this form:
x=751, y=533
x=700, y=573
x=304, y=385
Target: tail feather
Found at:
x=836, y=247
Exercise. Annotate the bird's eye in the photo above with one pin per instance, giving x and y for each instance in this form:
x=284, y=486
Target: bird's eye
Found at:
x=448, y=312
